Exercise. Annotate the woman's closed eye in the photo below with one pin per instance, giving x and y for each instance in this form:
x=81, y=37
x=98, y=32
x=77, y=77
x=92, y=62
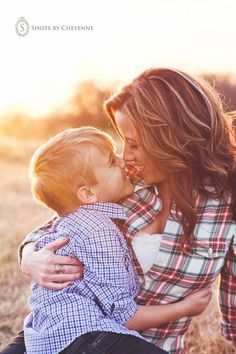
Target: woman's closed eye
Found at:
x=133, y=146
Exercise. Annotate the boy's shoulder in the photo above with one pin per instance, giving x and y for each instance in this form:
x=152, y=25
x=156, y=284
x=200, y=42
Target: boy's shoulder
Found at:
x=83, y=223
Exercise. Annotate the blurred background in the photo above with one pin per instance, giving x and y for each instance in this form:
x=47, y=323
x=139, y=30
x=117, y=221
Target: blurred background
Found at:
x=52, y=80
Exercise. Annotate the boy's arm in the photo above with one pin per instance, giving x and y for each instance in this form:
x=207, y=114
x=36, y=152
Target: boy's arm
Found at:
x=107, y=275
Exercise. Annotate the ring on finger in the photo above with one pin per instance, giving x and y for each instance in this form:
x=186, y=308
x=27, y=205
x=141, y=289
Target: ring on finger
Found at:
x=59, y=269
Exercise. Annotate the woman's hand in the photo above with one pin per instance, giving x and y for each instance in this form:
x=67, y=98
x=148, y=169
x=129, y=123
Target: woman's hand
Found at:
x=48, y=269
x=196, y=303
x=153, y=316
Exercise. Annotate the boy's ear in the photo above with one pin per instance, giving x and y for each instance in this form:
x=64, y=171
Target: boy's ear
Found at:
x=85, y=195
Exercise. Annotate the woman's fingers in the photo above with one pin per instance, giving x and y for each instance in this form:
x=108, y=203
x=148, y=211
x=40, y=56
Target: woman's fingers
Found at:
x=207, y=292
x=65, y=269
x=62, y=278
x=56, y=259
x=63, y=260
x=56, y=286
x=201, y=295
x=67, y=273
x=198, y=301
x=46, y=279
x=55, y=245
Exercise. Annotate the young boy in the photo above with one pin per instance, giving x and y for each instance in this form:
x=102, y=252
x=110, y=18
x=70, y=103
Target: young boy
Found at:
x=78, y=175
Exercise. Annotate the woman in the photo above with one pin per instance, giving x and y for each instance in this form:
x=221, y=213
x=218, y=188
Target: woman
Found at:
x=177, y=136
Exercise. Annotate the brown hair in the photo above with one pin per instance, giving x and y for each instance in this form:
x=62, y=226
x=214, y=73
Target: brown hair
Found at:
x=62, y=165
x=181, y=124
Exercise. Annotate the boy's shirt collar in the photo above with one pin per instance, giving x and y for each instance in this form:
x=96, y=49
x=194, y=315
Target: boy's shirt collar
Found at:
x=112, y=210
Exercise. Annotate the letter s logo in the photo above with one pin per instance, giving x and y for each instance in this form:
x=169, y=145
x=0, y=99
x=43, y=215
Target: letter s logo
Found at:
x=22, y=27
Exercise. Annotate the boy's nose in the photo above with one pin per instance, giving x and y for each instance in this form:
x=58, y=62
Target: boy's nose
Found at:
x=122, y=163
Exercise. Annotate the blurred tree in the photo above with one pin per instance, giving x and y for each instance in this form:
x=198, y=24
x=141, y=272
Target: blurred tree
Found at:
x=86, y=108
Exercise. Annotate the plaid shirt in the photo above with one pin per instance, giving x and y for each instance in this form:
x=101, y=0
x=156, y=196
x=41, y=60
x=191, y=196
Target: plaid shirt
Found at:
x=175, y=274
x=103, y=300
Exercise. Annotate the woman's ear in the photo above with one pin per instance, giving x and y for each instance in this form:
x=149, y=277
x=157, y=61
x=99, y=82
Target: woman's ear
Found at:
x=85, y=195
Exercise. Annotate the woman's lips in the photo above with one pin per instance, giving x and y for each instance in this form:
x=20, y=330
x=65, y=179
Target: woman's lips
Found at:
x=139, y=168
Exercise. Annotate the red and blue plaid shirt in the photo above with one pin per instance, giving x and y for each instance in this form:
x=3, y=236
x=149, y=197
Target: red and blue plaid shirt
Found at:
x=176, y=274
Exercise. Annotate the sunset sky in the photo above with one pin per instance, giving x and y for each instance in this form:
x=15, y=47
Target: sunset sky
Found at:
x=39, y=72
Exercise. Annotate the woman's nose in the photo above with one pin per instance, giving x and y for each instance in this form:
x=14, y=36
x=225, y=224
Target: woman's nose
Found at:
x=128, y=156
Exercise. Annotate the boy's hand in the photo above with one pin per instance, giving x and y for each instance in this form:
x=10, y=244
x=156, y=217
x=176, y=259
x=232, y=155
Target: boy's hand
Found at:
x=43, y=266
x=196, y=303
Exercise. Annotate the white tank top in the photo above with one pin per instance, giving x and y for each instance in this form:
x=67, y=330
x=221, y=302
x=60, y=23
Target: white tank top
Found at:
x=146, y=247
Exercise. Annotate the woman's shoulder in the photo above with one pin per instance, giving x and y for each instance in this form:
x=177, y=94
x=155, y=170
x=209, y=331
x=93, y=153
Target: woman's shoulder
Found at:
x=216, y=206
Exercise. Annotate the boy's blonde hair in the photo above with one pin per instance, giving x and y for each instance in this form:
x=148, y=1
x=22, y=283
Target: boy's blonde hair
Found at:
x=62, y=165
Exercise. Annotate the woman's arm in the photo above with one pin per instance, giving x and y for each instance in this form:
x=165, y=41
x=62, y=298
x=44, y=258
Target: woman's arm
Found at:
x=41, y=265
x=227, y=291
x=110, y=279
x=34, y=236
x=153, y=316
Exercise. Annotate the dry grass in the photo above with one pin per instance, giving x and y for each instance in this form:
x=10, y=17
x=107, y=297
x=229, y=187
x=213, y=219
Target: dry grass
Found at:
x=20, y=214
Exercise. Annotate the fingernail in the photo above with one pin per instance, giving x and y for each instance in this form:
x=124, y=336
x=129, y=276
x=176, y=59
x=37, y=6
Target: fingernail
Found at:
x=63, y=239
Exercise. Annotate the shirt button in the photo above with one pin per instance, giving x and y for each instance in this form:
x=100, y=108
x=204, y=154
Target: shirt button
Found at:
x=148, y=283
x=210, y=251
x=194, y=194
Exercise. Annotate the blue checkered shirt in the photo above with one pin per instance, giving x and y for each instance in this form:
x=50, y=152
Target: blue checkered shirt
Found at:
x=103, y=300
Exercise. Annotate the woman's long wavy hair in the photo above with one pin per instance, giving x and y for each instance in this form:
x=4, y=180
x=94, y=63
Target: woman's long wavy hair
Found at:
x=182, y=126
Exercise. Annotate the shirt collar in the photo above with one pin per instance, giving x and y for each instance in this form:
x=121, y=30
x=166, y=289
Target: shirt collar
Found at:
x=141, y=185
x=112, y=210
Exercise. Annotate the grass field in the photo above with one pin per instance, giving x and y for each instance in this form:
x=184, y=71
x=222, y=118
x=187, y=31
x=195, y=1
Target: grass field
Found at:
x=18, y=215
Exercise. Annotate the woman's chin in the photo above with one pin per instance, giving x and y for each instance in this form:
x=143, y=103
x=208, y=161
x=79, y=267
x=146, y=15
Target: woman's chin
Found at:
x=153, y=179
